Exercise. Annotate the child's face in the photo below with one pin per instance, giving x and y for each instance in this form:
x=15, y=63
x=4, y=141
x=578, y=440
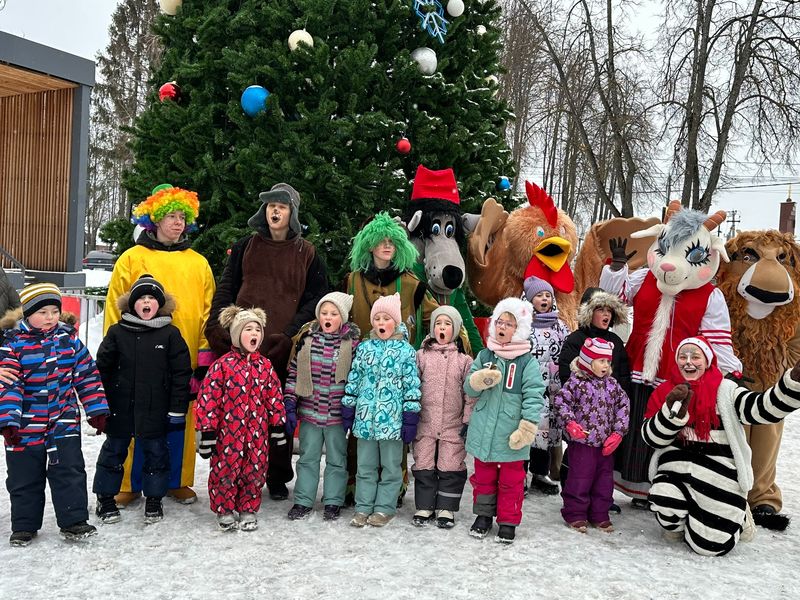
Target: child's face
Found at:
x=601, y=366
x=251, y=336
x=601, y=317
x=278, y=215
x=443, y=329
x=329, y=318
x=542, y=302
x=383, y=325
x=171, y=226
x=384, y=251
x=691, y=362
x=45, y=318
x=504, y=327
x=146, y=307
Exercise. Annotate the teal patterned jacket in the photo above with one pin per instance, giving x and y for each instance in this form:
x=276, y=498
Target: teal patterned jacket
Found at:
x=383, y=382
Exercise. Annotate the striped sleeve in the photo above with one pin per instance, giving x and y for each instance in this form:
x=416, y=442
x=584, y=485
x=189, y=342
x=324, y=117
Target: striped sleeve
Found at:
x=10, y=394
x=770, y=406
x=659, y=431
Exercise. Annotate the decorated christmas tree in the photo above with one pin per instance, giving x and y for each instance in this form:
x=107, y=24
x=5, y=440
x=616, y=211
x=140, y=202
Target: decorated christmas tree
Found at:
x=351, y=96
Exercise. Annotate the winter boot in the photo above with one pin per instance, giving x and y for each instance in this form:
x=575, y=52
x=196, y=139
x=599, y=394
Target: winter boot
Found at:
x=298, y=512
x=505, y=534
x=445, y=519
x=481, y=526
x=614, y=508
x=226, y=522
x=183, y=495
x=379, y=519
x=153, y=510
x=124, y=498
x=422, y=518
x=278, y=491
x=766, y=516
x=21, y=538
x=544, y=484
x=107, y=510
x=604, y=526
x=78, y=531
x=673, y=535
x=331, y=512
x=579, y=526
x=248, y=521
x=640, y=503
x=359, y=519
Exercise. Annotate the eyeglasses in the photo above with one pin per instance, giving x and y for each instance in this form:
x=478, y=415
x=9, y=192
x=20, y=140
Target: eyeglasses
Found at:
x=504, y=324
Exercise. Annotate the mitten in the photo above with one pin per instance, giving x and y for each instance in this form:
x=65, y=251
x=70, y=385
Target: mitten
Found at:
x=464, y=430
x=176, y=422
x=277, y=435
x=619, y=257
x=206, y=443
x=611, y=443
x=11, y=435
x=291, y=417
x=485, y=378
x=523, y=436
x=575, y=431
x=678, y=400
x=98, y=422
x=348, y=416
x=409, y=429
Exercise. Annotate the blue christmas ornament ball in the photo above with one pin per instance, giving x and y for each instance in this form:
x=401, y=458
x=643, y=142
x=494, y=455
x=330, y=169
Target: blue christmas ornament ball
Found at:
x=254, y=100
x=503, y=184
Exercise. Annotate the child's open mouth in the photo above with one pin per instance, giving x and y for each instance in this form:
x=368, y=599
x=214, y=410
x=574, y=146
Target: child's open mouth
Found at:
x=606, y=321
x=441, y=336
x=381, y=330
x=326, y=325
x=251, y=343
x=275, y=218
x=146, y=310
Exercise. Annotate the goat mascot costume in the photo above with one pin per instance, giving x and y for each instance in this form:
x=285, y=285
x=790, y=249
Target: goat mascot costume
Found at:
x=672, y=299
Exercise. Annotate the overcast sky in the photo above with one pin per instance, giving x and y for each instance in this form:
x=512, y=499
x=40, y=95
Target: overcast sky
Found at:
x=81, y=27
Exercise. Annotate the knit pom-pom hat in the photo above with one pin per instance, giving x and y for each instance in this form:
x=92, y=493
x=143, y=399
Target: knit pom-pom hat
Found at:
x=380, y=228
x=164, y=200
x=234, y=318
x=593, y=349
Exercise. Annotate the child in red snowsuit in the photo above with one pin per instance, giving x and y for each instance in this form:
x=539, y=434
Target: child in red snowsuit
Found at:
x=239, y=406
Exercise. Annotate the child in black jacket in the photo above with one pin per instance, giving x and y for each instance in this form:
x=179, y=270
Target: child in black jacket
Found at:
x=145, y=366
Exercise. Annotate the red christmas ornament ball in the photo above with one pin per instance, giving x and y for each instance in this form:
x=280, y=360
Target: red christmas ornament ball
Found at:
x=169, y=91
x=403, y=146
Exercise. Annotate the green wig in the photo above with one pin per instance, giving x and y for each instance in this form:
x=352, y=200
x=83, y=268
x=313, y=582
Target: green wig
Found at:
x=381, y=227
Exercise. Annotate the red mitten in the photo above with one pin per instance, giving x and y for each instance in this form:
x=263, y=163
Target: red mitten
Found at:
x=611, y=443
x=11, y=435
x=575, y=431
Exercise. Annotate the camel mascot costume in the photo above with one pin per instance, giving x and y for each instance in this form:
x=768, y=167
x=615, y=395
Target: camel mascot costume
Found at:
x=759, y=285
x=538, y=239
x=672, y=299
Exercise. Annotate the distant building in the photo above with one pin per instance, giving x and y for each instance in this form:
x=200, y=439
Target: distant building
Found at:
x=788, y=211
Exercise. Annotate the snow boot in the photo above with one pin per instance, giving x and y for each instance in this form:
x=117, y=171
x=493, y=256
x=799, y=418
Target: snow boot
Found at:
x=107, y=510
x=614, y=508
x=769, y=518
x=673, y=535
x=332, y=512
x=248, y=521
x=226, y=522
x=579, y=526
x=298, y=512
x=481, y=526
x=78, y=531
x=379, y=519
x=604, y=526
x=505, y=534
x=153, y=510
x=21, y=538
x=640, y=503
x=359, y=519
x=544, y=484
x=422, y=518
x=445, y=519
x=278, y=491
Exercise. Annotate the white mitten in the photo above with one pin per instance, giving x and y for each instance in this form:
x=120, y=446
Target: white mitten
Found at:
x=523, y=436
x=485, y=378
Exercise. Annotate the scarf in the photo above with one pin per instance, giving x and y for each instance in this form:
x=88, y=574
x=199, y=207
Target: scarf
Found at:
x=545, y=320
x=134, y=323
x=509, y=351
x=702, y=409
x=303, y=386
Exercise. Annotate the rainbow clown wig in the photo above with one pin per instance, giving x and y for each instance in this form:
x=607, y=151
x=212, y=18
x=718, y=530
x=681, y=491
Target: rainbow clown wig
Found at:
x=378, y=229
x=164, y=200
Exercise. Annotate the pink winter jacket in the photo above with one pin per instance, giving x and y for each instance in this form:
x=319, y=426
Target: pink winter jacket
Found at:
x=445, y=407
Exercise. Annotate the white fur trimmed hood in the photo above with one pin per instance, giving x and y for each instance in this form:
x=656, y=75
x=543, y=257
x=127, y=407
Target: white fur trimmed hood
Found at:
x=522, y=311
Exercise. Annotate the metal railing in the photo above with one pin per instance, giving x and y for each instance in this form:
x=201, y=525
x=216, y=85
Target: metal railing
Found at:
x=89, y=309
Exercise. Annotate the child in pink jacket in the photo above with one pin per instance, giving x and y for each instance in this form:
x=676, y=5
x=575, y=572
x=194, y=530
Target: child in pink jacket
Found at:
x=439, y=469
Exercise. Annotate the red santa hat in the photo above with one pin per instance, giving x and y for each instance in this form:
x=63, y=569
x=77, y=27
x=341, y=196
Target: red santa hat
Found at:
x=701, y=343
x=435, y=185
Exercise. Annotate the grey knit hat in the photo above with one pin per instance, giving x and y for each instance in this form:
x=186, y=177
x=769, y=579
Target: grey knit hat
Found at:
x=452, y=314
x=343, y=303
x=281, y=193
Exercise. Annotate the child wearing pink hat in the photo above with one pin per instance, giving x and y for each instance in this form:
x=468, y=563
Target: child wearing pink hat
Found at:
x=594, y=411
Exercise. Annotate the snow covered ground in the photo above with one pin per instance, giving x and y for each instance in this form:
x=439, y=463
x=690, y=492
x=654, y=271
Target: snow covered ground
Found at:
x=186, y=557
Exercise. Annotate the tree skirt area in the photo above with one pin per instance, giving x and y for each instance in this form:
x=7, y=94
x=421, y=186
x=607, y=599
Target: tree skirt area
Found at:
x=185, y=556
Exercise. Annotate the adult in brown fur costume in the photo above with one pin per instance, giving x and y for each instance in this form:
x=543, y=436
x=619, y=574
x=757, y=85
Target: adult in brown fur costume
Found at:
x=759, y=285
x=538, y=239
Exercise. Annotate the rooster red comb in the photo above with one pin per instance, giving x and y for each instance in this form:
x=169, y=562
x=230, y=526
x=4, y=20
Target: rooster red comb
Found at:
x=538, y=197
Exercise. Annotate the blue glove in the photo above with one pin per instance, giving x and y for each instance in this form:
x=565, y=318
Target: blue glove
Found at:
x=348, y=416
x=291, y=417
x=409, y=430
x=176, y=422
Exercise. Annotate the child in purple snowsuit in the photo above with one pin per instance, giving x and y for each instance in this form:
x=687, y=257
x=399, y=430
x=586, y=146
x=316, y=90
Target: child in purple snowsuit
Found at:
x=593, y=409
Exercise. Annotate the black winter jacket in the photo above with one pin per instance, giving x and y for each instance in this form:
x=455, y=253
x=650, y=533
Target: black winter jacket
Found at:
x=146, y=375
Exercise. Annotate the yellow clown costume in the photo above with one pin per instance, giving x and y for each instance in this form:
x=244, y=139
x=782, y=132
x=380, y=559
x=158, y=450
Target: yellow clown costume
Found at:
x=187, y=276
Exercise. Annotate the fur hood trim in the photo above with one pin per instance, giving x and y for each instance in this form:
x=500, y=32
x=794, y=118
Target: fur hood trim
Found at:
x=619, y=312
x=163, y=311
x=522, y=311
x=14, y=315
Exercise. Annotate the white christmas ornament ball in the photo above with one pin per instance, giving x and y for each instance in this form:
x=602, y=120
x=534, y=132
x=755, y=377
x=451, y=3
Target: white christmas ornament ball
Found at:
x=426, y=60
x=300, y=36
x=455, y=8
x=170, y=7
x=480, y=30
